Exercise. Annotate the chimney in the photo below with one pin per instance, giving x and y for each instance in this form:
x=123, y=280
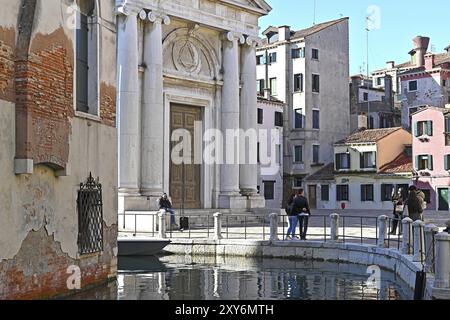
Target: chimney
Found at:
x=284, y=33
x=389, y=95
x=390, y=65
x=421, y=47
x=429, y=61
x=448, y=50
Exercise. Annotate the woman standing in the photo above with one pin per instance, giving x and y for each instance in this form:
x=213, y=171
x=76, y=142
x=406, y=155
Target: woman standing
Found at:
x=292, y=216
x=398, y=202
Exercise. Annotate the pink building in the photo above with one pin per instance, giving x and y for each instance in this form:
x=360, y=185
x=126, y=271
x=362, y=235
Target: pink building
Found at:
x=431, y=153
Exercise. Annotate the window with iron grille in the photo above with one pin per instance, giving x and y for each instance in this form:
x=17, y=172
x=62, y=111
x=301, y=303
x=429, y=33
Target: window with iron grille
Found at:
x=90, y=217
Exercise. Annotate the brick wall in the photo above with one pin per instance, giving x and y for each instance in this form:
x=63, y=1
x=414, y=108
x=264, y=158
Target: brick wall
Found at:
x=7, y=46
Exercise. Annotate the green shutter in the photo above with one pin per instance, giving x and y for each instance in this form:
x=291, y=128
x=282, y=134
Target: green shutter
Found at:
x=430, y=128
x=416, y=129
x=338, y=162
x=363, y=195
x=430, y=162
x=417, y=163
x=374, y=159
x=361, y=160
x=446, y=163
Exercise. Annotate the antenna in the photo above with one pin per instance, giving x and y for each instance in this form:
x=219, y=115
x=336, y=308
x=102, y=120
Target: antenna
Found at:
x=368, y=99
x=314, y=19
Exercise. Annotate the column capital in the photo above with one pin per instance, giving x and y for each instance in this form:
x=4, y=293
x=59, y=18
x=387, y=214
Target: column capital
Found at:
x=123, y=8
x=234, y=36
x=154, y=17
x=253, y=41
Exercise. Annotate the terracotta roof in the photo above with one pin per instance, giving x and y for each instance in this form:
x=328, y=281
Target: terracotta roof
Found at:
x=445, y=111
x=316, y=28
x=304, y=32
x=402, y=164
x=326, y=173
x=271, y=100
x=372, y=135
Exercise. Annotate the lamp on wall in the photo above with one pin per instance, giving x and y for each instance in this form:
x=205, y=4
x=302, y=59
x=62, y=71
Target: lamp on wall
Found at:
x=348, y=151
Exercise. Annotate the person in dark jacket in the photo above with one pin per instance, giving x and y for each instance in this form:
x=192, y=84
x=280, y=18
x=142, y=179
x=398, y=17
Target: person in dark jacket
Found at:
x=397, y=201
x=293, y=220
x=416, y=202
x=165, y=204
x=301, y=209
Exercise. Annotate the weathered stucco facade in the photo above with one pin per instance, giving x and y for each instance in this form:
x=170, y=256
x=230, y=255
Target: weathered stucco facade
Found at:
x=48, y=148
x=187, y=65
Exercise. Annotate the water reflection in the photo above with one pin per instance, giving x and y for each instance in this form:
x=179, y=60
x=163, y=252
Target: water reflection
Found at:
x=203, y=278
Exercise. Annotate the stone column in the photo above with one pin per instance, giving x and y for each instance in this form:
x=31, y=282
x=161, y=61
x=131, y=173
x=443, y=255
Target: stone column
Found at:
x=382, y=231
x=273, y=218
x=152, y=156
x=162, y=224
x=407, y=236
x=334, y=227
x=419, y=241
x=248, y=171
x=128, y=102
x=442, y=277
x=230, y=197
x=430, y=233
x=217, y=226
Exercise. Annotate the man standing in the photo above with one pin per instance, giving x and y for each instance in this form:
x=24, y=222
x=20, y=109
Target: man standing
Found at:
x=301, y=208
x=416, y=203
x=165, y=204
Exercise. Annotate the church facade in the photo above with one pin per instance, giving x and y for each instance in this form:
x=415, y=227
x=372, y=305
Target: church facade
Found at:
x=189, y=67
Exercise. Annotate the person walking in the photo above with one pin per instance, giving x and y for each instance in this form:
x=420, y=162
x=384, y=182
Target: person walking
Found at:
x=301, y=209
x=165, y=204
x=416, y=203
x=293, y=220
x=397, y=201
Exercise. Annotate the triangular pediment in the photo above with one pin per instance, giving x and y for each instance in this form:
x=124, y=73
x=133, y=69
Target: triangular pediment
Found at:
x=259, y=6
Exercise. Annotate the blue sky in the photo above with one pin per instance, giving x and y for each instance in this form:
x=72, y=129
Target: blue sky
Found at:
x=400, y=21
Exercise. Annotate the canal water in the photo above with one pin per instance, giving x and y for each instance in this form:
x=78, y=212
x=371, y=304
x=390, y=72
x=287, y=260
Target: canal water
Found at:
x=203, y=278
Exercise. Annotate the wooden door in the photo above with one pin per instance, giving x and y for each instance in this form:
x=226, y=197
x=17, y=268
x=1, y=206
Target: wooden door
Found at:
x=185, y=179
x=312, y=196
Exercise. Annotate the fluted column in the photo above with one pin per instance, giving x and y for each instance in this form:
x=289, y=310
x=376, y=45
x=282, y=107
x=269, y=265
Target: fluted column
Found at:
x=128, y=102
x=152, y=156
x=229, y=174
x=248, y=172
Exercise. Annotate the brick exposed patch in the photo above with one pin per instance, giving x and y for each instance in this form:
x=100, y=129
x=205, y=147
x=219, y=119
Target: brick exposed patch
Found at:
x=39, y=270
x=7, y=47
x=44, y=93
x=108, y=104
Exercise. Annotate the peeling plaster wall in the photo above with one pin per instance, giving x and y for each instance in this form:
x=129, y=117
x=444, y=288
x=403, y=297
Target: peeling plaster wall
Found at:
x=38, y=214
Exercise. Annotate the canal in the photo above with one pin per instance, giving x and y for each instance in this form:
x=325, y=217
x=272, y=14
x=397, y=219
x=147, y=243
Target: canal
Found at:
x=202, y=278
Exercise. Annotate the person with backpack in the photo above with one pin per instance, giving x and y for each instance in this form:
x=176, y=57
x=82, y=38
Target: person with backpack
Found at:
x=416, y=203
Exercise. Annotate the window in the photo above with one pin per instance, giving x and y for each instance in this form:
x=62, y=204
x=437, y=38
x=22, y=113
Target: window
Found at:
x=423, y=128
x=90, y=217
x=379, y=83
x=366, y=96
x=412, y=85
x=298, y=82
x=447, y=131
x=269, y=190
x=260, y=86
x=368, y=160
x=298, y=119
x=325, y=193
x=342, y=193
x=386, y=192
x=404, y=188
x=315, y=83
x=371, y=122
x=273, y=86
x=278, y=119
x=258, y=158
x=279, y=155
x=298, y=53
x=261, y=59
x=316, y=119
x=342, y=161
x=298, y=183
x=367, y=192
x=272, y=57
x=447, y=162
x=424, y=162
x=260, y=116
x=86, y=71
x=298, y=154
x=315, y=54
x=316, y=154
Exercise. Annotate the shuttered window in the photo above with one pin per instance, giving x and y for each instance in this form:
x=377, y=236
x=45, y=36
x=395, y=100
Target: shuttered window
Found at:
x=82, y=64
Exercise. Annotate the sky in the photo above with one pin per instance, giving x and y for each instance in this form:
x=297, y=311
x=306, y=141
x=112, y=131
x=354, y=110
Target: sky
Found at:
x=393, y=23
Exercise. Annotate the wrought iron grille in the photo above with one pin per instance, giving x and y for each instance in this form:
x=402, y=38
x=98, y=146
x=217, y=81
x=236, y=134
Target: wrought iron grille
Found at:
x=90, y=216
